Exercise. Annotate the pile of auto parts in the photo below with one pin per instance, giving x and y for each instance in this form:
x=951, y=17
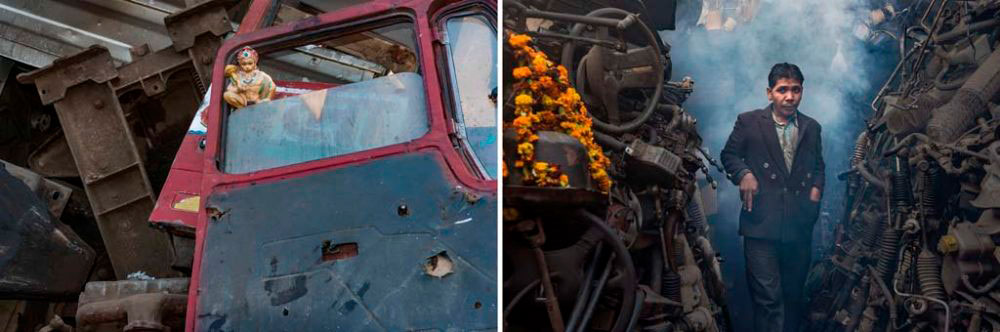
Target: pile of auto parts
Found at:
x=917, y=246
x=636, y=254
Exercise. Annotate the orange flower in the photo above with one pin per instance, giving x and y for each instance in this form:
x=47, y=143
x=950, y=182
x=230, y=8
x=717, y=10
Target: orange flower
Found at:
x=519, y=41
x=539, y=64
x=523, y=100
x=546, y=101
x=522, y=72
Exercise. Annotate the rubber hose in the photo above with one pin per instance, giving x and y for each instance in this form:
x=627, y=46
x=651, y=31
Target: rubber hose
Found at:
x=970, y=101
x=624, y=260
x=583, y=293
x=609, y=142
x=929, y=275
x=941, y=85
x=596, y=296
x=639, y=299
x=964, y=30
x=871, y=178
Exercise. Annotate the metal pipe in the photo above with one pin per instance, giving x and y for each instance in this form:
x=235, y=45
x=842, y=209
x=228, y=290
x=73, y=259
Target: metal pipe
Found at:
x=624, y=259
x=583, y=295
x=980, y=290
x=963, y=30
x=947, y=311
x=551, y=302
x=592, y=303
x=871, y=178
x=605, y=43
x=518, y=296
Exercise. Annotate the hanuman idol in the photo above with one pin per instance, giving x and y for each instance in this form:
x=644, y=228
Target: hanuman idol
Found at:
x=247, y=85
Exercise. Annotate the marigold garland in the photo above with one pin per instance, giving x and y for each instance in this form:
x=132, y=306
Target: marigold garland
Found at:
x=545, y=101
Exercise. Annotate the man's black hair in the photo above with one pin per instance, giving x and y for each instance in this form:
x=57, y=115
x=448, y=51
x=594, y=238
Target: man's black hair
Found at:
x=784, y=70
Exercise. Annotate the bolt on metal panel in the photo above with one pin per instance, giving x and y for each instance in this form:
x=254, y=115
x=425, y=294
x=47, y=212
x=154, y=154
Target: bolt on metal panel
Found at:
x=106, y=156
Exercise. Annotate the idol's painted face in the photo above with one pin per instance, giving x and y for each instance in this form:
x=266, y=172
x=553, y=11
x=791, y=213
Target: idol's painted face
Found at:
x=785, y=95
x=247, y=64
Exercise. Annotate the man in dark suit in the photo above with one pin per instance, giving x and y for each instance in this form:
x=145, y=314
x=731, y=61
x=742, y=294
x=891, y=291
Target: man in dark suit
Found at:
x=775, y=157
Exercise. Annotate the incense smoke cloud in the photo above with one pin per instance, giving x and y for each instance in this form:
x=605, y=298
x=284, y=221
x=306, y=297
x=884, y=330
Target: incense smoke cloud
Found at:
x=842, y=74
x=730, y=73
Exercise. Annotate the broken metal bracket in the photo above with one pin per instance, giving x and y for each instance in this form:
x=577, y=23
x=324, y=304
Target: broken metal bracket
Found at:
x=198, y=30
x=107, y=158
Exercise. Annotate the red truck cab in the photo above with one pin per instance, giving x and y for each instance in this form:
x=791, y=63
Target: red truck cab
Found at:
x=363, y=196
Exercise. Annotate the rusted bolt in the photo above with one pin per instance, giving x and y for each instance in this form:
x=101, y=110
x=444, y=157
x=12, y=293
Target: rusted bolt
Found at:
x=403, y=210
x=98, y=104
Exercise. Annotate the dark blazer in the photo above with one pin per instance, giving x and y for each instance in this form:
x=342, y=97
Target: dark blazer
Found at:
x=782, y=209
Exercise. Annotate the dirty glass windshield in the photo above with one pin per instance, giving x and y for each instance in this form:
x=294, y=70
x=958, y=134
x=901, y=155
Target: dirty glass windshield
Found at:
x=472, y=52
x=332, y=95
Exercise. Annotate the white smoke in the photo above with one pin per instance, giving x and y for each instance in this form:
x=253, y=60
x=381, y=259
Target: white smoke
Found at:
x=730, y=70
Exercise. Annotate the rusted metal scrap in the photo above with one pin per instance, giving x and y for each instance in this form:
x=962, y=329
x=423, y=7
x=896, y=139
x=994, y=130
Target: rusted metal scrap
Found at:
x=133, y=305
x=917, y=248
x=637, y=257
x=87, y=90
x=30, y=235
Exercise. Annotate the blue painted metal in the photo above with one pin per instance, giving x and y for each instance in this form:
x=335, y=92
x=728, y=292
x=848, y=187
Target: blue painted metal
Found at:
x=263, y=256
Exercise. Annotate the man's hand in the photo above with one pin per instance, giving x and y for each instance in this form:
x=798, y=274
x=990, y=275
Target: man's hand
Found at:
x=814, y=195
x=748, y=187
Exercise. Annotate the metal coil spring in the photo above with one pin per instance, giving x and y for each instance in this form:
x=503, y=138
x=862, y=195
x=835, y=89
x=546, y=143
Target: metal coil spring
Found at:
x=888, y=249
x=671, y=280
x=905, y=263
x=859, y=148
x=671, y=285
x=198, y=83
x=929, y=196
x=929, y=274
x=902, y=191
x=872, y=231
x=696, y=216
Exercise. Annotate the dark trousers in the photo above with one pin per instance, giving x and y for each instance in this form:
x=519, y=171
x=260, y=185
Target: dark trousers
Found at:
x=776, y=274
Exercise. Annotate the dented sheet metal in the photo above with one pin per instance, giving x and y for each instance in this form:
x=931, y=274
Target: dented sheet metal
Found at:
x=29, y=235
x=391, y=244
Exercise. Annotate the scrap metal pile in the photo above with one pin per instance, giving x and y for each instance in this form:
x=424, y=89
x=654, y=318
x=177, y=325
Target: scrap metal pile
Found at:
x=917, y=247
x=609, y=236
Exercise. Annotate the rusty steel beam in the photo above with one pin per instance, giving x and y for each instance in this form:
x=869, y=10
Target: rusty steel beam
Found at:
x=147, y=305
x=106, y=156
x=85, y=90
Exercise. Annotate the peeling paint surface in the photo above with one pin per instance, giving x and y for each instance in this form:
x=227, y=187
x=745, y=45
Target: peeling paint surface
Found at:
x=263, y=267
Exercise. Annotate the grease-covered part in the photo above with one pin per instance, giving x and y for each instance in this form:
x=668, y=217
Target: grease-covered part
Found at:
x=926, y=238
x=637, y=257
x=40, y=257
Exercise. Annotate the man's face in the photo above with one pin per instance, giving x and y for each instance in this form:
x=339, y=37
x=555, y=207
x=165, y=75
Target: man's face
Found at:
x=247, y=64
x=785, y=95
